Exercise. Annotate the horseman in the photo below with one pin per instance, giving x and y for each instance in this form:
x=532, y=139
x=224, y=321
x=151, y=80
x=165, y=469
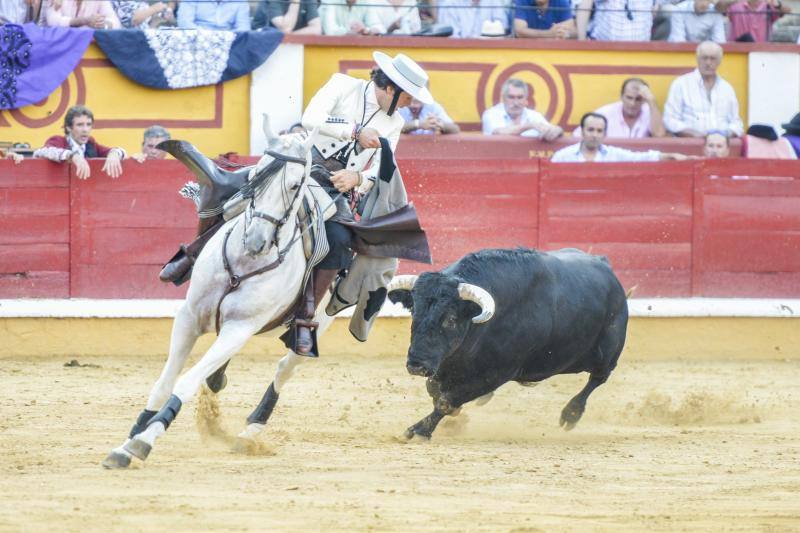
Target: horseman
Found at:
x=351, y=116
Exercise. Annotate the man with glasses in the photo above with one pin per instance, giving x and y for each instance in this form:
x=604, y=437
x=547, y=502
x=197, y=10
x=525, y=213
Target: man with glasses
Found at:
x=634, y=115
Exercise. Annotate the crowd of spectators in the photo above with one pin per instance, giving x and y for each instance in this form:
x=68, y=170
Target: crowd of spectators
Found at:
x=604, y=20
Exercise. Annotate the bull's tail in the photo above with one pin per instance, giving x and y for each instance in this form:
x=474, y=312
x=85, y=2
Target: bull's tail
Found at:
x=631, y=291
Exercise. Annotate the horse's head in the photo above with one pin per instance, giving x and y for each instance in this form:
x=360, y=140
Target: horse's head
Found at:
x=274, y=187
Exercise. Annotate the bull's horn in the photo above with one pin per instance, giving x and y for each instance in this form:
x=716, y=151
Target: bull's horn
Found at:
x=405, y=282
x=473, y=293
x=265, y=126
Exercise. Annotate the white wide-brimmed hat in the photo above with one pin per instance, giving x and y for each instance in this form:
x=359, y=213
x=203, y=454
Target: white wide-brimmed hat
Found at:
x=406, y=74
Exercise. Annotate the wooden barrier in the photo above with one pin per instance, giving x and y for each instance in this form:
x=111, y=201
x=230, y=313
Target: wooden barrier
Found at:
x=674, y=229
x=638, y=215
x=123, y=230
x=746, y=239
x=34, y=230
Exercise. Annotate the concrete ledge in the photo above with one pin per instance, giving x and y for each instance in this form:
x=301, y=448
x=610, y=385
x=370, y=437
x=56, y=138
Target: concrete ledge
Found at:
x=644, y=307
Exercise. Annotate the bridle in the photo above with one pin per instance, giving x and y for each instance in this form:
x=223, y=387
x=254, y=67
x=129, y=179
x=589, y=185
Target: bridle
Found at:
x=261, y=184
x=249, y=190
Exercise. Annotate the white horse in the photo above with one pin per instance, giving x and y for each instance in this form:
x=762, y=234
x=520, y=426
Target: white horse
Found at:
x=263, y=241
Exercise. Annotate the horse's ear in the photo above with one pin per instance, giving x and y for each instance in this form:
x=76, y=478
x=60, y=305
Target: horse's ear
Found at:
x=265, y=125
x=312, y=137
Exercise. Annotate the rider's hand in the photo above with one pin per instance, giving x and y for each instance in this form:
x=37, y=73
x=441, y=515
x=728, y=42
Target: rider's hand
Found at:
x=81, y=166
x=113, y=165
x=368, y=138
x=345, y=180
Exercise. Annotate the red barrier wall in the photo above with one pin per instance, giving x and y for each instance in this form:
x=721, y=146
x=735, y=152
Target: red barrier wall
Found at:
x=673, y=229
x=638, y=215
x=34, y=230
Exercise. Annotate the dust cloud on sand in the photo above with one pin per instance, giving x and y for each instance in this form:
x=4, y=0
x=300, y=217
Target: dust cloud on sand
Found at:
x=663, y=446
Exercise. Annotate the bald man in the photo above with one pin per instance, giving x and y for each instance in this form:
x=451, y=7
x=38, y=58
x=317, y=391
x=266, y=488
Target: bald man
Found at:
x=701, y=101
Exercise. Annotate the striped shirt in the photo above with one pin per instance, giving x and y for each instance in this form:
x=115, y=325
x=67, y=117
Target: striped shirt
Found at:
x=690, y=106
x=622, y=20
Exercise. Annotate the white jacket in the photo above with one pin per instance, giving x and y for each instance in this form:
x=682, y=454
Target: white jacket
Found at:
x=336, y=109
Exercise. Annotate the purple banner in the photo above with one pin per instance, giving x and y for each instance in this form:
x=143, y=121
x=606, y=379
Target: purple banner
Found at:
x=34, y=61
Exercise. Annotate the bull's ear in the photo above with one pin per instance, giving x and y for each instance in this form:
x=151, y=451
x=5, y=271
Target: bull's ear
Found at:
x=403, y=296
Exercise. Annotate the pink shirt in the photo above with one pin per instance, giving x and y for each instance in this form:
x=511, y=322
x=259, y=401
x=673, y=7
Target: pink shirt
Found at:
x=69, y=9
x=757, y=22
x=617, y=127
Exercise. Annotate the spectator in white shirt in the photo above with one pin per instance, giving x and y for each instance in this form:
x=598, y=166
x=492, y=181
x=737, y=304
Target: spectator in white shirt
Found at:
x=695, y=21
x=592, y=150
x=615, y=20
x=400, y=17
x=351, y=17
x=701, y=100
x=512, y=116
x=634, y=115
x=426, y=119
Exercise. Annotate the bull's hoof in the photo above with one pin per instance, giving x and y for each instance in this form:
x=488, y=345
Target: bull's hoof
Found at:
x=570, y=415
x=116, y=460
x=138, y=448
x=216, y=384
x=418, y=434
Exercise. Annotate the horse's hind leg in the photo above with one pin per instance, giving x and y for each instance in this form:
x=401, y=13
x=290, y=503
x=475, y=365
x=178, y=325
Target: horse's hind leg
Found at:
x=231, y=339
x=258, y=418
x=185, y=333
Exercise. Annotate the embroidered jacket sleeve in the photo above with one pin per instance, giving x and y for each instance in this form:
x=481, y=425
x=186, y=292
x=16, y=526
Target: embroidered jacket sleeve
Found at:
x=55, y=149
x=318, y=114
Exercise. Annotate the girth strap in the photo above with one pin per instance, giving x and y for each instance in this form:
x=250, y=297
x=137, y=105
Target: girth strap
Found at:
x=233, y=280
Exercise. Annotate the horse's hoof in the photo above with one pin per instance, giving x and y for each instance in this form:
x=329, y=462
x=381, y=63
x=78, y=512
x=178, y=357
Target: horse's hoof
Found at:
x=138, y=448
x=116, y=460
x=243, y=445
x=412, y=434
x=217, y=384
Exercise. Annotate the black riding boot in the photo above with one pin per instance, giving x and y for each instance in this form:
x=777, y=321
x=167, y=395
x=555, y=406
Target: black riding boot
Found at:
x=177, y=269
x=319, y=282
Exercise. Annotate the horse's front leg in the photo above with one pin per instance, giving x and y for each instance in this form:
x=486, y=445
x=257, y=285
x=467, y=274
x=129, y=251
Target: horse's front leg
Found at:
x=257, y=420
x=185, y=332
x=232, y=337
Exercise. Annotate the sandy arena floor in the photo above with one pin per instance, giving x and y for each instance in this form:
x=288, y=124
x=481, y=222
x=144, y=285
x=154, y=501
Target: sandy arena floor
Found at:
x=662, y=446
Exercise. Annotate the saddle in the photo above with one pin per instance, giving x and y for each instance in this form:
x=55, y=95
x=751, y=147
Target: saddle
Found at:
x=216, y=185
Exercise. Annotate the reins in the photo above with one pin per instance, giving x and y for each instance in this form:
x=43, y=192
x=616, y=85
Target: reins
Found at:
x=249, y=191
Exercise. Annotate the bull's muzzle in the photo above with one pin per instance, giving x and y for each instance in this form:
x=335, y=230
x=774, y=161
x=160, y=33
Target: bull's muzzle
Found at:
x=416, y=369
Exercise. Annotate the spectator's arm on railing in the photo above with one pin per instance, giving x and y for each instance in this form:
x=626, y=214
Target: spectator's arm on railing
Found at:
x=286, y=22
x=582, y=18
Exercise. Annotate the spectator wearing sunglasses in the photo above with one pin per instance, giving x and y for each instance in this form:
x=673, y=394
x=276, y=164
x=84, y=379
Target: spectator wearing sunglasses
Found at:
x=615, y=20
x=634, y=115
x=694, y=21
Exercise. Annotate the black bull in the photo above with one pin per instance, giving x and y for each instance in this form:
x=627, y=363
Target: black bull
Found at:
x=560, y=312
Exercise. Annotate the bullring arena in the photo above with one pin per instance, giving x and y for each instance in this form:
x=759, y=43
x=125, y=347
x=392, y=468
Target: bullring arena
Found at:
x=696, y=429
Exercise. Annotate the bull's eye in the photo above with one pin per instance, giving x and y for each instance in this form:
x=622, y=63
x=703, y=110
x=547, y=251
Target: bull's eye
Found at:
x=449, y=321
